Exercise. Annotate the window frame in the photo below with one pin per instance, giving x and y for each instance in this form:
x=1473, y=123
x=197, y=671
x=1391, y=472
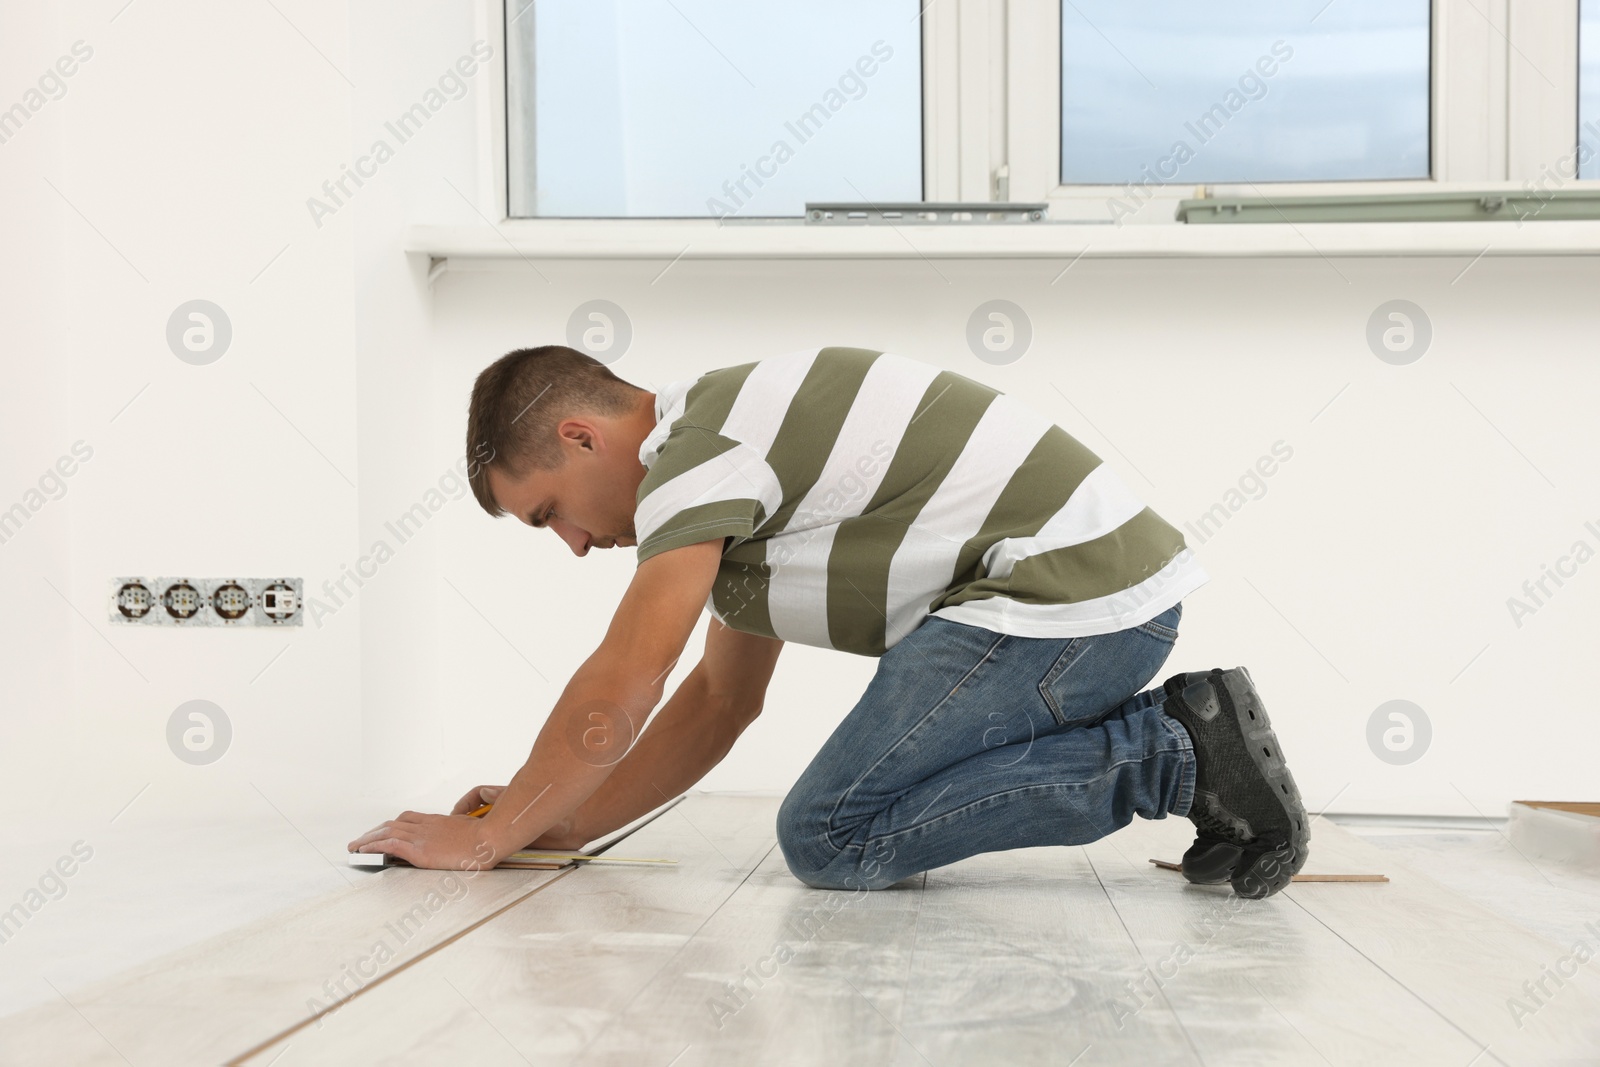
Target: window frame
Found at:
x=983, y=58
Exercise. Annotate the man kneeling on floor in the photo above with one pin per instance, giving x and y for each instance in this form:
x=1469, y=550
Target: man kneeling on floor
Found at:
x=1016, y=593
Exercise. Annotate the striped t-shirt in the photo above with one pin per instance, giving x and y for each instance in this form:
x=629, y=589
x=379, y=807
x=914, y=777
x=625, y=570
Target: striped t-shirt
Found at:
x=862, y=491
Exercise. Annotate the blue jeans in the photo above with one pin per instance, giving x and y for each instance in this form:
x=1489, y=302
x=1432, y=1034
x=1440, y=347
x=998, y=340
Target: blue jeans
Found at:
x=970, y=741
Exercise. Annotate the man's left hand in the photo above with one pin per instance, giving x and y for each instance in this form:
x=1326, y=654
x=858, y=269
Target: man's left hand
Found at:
x=439, y=842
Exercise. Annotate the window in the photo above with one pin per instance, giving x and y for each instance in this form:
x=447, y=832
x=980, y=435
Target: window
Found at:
x=710, y=108
x=1190, y=91
x=1108, y=110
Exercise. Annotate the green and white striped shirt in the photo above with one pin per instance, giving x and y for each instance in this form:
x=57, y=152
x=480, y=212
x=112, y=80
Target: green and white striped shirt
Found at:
x=863, y=491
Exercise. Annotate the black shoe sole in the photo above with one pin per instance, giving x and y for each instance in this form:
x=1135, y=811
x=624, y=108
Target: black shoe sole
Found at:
x=1262, y=867
x=1253, y=873
x=1262, y=872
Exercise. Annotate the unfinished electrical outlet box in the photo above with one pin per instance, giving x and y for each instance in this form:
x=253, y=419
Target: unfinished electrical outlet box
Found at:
x=181, y=600
x=132, y=600
x=140, y=601
x=230, y=601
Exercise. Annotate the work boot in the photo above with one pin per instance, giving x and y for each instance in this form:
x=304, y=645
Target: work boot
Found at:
x=1211, y=858
x=1253, y=827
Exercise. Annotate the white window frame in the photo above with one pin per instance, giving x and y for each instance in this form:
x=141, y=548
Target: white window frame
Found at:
x=987, y=65
x=493, y=129
x=1504, y=101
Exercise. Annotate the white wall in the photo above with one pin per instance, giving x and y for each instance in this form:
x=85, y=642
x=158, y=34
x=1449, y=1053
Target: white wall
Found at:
x=36, y=665
x=183, y=151
x=1376, y=566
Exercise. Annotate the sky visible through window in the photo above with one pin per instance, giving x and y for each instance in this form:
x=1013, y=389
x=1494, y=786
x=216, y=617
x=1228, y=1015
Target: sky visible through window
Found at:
x=1194, y=91
x=1589, y=87
x=717, y=108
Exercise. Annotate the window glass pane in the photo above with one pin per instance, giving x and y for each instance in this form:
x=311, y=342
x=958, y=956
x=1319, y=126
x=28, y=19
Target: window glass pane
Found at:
x=711, y=107
x=1589, y=89
x=1192, y=91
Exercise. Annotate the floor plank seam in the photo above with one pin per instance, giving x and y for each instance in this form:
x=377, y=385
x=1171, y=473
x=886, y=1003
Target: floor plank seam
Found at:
x=302, y=1024
x=1396, y=980
x=238, y=1060
x=1139, y=952
x=916, y=932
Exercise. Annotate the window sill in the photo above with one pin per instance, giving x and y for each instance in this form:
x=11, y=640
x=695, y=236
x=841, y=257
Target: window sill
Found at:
x=515, y=242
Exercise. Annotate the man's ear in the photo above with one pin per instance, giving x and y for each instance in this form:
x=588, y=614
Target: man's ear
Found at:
x=581, y=432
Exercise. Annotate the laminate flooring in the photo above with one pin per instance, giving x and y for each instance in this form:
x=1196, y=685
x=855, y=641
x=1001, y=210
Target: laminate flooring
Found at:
x=1062, y=955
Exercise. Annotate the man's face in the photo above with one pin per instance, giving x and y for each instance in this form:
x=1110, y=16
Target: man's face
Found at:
x=588, y=500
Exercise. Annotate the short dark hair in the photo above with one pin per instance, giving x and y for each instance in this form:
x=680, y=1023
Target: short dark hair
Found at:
x=518, y=400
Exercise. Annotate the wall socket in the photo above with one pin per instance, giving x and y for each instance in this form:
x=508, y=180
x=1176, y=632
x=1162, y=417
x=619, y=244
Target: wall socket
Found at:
x=206, y=601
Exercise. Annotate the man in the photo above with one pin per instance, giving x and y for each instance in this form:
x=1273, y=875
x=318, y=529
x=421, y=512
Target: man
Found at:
x=1017, y=594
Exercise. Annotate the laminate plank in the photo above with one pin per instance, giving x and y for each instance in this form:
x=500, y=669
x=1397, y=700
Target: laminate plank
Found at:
x=1263, y=980
x=1006, y=957
x=1467, y=962
x=1023, y=954
x=207, y=1001
x=782, y=973
x=541, y=983
x=203, y=1003
x=1551, y=899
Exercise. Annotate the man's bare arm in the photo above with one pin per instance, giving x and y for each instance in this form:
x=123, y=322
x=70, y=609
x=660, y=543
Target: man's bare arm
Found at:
x=688, y=736
x=605, y=704
x=608, y=698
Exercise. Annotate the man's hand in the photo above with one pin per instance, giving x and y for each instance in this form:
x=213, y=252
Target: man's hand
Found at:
x=440, y=842
x=559, y=838
x=477, y=798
